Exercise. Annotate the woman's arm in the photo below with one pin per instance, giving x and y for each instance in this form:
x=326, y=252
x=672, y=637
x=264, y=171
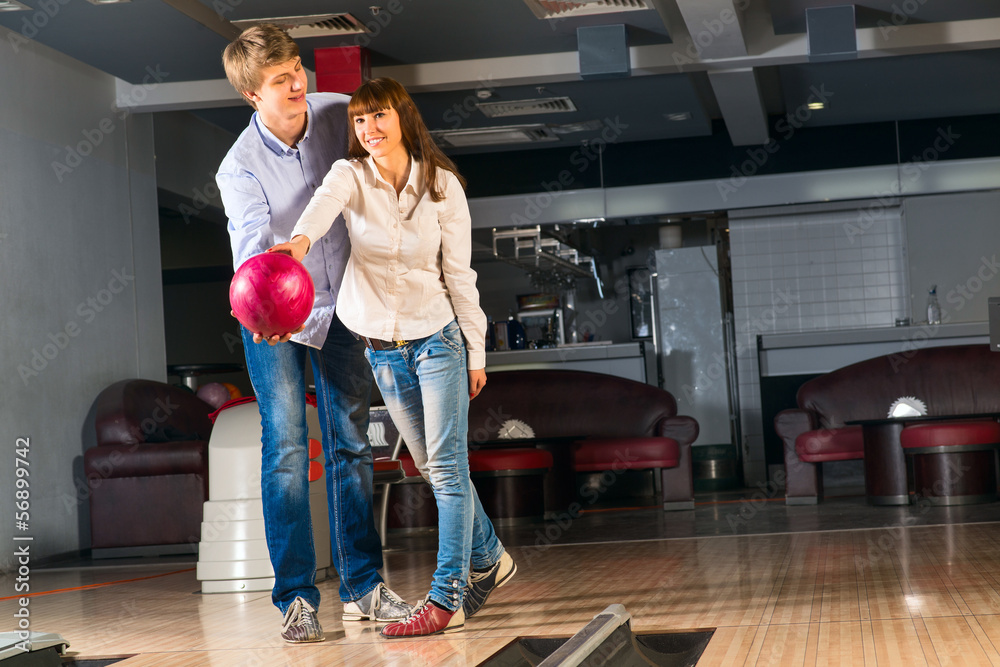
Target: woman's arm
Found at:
x=459, y=278
x=329, y=201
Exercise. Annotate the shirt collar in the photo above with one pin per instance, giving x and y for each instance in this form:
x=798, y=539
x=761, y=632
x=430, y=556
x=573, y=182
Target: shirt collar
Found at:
x=413, y=181
x=276, y=144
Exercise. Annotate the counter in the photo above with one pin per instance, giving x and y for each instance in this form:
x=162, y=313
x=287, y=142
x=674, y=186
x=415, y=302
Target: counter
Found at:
x=627, y=360
x=815, y=352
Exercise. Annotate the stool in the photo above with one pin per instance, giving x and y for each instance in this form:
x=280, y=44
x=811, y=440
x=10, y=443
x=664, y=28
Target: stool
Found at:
x=954, y=462
x=411, y=500
x=509, y=482
x=619, y=454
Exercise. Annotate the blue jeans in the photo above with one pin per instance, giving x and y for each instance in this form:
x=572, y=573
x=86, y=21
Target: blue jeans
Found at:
x=343, y=391
x=425, y=386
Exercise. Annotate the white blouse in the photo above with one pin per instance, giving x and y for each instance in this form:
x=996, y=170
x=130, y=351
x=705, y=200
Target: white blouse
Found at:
x=409, y=272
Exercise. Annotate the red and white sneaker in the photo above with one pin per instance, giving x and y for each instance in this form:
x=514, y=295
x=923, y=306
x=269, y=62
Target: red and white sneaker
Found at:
x=427, y=619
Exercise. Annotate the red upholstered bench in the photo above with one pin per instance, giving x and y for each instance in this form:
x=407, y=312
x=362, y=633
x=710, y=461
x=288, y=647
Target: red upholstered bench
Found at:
x=954, y=462
x=615, y=455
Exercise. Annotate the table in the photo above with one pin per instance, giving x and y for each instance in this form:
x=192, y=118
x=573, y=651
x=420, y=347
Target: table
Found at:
x=189, y=373
x=885, y=462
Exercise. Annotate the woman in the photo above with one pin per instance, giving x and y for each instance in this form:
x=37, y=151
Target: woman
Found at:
x=410, y=294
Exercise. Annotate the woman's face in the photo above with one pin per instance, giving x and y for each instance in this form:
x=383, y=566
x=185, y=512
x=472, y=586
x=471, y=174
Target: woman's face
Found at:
x=379, y=132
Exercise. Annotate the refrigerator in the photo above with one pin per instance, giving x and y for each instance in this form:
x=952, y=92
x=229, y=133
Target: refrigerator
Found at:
x=694, y=340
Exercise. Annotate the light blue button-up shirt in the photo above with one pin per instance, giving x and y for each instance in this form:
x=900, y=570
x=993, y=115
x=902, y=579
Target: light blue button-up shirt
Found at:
x=265, y=186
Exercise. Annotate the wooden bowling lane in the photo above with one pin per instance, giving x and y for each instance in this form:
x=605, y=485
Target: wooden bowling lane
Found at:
x=891, y=596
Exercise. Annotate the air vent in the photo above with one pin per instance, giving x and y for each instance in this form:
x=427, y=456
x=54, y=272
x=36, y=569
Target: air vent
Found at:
x=527, y=107
x=553, y=9
x=313, y=25
x=494, y=136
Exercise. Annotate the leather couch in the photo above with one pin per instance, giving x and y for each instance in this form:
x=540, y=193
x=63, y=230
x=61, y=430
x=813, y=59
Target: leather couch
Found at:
x=950, y=380
x=148, y=473
x=592, y=421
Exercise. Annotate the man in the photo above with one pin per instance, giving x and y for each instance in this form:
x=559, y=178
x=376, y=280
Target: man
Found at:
x=266, y=180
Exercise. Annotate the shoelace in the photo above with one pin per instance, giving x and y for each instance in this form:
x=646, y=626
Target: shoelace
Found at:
x=300, y=610
x=420, y=609
x=385, y=592
x=479, y=576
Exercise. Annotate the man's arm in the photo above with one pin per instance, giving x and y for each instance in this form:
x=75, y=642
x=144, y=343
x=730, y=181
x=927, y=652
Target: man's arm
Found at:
x=249, y=225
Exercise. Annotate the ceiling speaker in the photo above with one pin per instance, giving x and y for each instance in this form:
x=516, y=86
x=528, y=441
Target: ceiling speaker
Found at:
x=831, y=33
x=603, y=51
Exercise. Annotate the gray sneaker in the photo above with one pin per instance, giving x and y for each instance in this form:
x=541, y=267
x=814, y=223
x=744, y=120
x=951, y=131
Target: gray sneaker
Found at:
x=301, y=625
x=379, y=605
x=481, y=584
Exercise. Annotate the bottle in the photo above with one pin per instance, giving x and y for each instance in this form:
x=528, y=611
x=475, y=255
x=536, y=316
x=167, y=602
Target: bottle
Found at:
x=933, y=309
x=516, y=337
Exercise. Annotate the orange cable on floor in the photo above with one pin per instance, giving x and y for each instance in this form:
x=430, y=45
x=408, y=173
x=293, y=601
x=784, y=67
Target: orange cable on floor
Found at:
x=106, y=583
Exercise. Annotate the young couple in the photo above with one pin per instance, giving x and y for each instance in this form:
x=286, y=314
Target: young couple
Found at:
x=386, y=236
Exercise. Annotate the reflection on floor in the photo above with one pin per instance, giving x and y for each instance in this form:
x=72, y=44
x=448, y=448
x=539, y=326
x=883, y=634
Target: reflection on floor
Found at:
x=837, y=583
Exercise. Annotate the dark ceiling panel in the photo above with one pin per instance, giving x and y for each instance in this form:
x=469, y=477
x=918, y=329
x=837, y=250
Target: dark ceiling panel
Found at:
x=789, y=16
x=125, y=39
x=900, y=88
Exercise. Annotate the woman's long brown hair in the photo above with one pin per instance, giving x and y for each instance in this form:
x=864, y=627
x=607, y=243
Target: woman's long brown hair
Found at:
x=385, y=93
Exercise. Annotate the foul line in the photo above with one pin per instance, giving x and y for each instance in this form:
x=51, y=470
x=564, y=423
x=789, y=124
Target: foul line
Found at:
x=102, y=585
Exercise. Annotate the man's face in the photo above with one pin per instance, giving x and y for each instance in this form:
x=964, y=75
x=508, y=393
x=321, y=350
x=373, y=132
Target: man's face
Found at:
x=282, y=90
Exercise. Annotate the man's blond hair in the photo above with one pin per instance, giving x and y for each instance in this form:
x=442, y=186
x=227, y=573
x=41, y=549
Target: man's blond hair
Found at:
x=256, y=48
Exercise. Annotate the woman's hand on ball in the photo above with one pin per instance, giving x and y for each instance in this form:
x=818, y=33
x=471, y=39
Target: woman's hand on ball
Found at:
x=296, y=248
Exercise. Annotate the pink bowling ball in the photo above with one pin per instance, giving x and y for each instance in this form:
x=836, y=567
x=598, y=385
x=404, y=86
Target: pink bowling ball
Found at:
x=213, y=393
x=271, y=294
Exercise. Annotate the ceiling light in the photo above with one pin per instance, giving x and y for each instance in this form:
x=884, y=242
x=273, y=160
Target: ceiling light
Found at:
x=311, y=25
x=816, y=106
x=492, y=136
x=107, y=2
x=683, y=115
x=526, y=107
x=12, y=6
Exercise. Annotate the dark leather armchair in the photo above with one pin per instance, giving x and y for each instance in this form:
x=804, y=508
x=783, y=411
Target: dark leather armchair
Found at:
x=148, y=473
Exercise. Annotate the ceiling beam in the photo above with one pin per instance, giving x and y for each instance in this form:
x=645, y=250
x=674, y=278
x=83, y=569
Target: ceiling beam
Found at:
x=765, y=49
x=715, y=27
x=738, y=93
x=205, y=16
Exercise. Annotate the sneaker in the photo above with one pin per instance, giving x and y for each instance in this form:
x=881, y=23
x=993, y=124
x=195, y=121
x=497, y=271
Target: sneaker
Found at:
x=300, y=624
x=482, y=583
x=427, y=619
x=379, y=605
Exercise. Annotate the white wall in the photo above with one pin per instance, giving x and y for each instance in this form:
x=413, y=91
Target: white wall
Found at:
x=809, y=268
x=953, y=241
x=80, y=269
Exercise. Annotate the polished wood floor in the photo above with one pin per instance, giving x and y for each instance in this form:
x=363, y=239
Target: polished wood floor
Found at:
x=908, y=596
